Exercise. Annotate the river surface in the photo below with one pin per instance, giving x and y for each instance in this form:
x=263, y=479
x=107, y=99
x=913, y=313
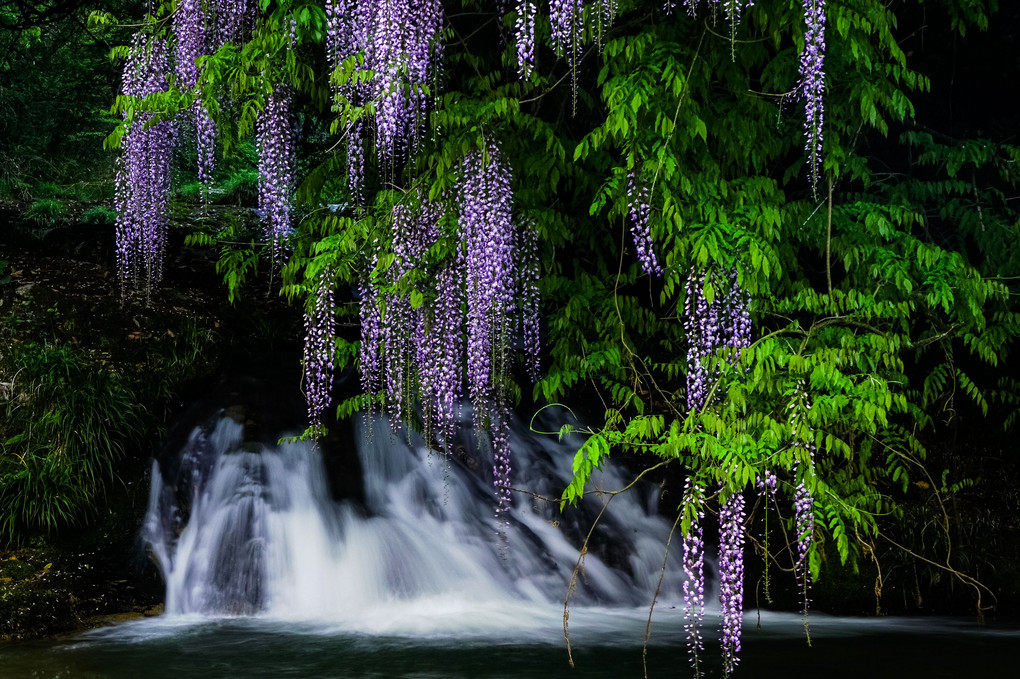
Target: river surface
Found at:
x=606, y=643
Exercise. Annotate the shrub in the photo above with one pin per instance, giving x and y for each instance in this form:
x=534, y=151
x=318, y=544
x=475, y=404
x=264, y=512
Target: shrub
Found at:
x=99, y=214
x=46, y=211
x=68, y=422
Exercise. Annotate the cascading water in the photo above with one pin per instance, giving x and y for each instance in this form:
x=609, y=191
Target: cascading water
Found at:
x=421, y=552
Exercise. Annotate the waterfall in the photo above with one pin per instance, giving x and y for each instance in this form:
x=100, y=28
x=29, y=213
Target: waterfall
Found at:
x=247, y=528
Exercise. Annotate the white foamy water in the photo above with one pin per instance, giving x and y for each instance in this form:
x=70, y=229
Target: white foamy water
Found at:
x=422, y=554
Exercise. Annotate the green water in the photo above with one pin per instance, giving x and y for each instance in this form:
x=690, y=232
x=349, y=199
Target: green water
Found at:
x=255, y=649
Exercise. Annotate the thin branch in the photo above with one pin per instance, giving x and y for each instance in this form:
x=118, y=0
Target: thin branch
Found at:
x=655, y=596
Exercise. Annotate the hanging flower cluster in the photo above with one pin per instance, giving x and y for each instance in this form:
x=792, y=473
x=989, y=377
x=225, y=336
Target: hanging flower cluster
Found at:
x=640, y=230
x=804, y=524
x=524, y=37
x=566, y=18
x=768, y=484
x=605, y=16
x=487, y=231
x=803, y=503
x=440, y=352
x=190, y=30
x=346, y=35
x=413, y=235
x=694, y=570
x=370, y=315
x=812, y=83
x=320, y=329
x=461, y=332
x=733, y=9
x=731, y=577
x=143, y=171
x=234, y=21
x=274, y=135
x=723, y=322
x=711, y=323
x=400, y=41
x=529, y=275
x=403, y=344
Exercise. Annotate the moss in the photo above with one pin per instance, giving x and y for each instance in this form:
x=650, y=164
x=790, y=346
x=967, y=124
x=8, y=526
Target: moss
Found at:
x=32, y=602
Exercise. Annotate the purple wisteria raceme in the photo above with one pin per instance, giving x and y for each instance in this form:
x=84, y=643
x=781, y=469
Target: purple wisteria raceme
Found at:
x=356, y=165
x=500, y=434
x=566, y=18
x=441, y=353
x=234, y=20
x=812, y=84
x=524, y=36
x=403, y=325
x=731, y=578
x=401, y=43
x=694, y=570
x=426, y=344
x=341, y=41
x=274, y=135
x=205, y=138
x=802, y=437
x=320, y=329
x=734, y=317
x=701, y=325
x=725, y=322
x=530, y=299
x=347, y=26
x=804, y=523
x=386, y=58
x=370, y=351
x=143, y=169
x=733, y=9
x=606, y=15
x=487, y=231
x=640, y=211
x=767, y=485
x=190, y=30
